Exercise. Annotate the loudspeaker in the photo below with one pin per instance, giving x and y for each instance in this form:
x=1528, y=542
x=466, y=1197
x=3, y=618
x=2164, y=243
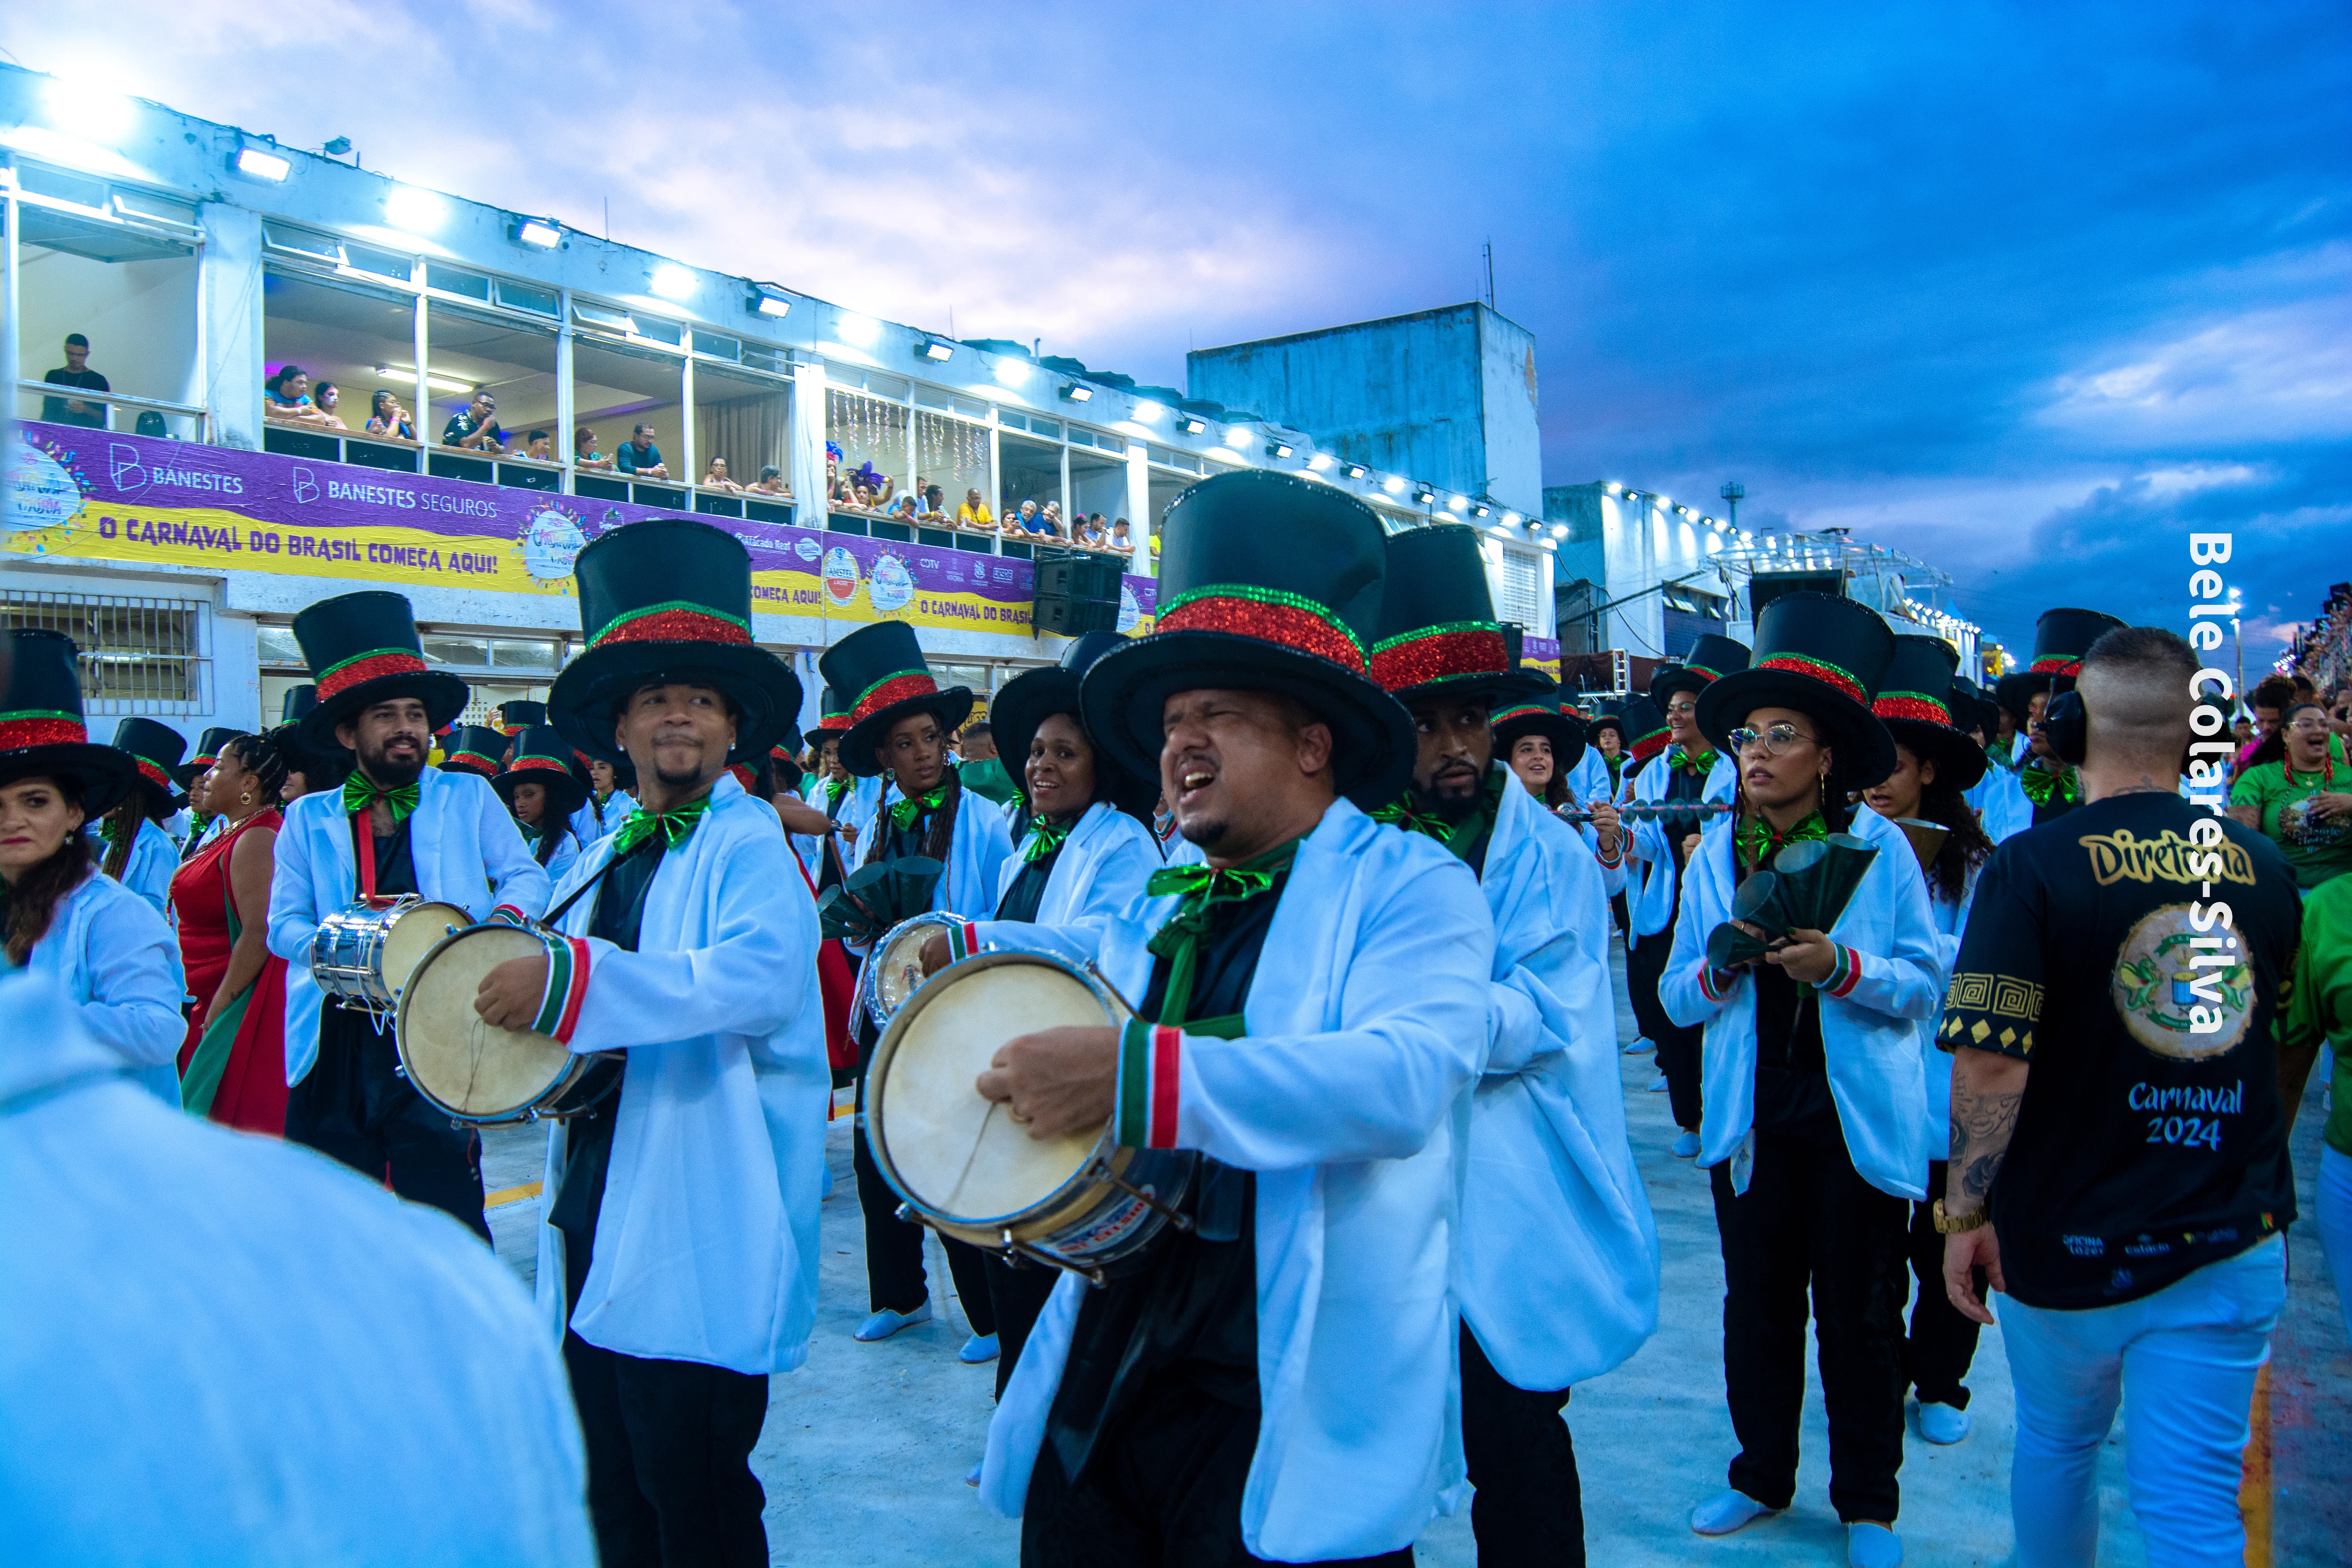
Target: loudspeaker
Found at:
x=1076, y=592
x=2066, y=725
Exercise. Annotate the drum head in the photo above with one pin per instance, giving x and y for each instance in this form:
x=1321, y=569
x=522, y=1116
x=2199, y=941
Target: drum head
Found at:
x=410, y=935
x=954, y=1152
x=460, y=1063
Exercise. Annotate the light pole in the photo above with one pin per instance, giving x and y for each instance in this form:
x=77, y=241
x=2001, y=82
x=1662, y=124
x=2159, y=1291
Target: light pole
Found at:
x=2240, y=644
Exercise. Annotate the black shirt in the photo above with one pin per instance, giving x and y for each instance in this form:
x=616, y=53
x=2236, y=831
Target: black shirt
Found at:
x=2143, y=1149
x=1793, y=1073
x=1028, y=889
x=461, y=424
x=54, y=409
x=1186, y=1309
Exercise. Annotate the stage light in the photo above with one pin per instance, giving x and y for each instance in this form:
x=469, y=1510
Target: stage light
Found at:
x=1354, y=471
x=1191, y=425
x=766, y=300
x=1077, y=392
x=1277, y=448
x=936, y=349
x=263, y=165
x=1422, y=495
x=539, y=232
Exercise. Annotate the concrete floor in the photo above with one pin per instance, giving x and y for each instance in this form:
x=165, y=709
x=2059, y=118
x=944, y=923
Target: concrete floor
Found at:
x=866, y=1446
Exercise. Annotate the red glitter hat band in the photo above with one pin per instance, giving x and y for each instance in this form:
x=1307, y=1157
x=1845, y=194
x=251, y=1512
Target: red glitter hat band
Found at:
x=487, y=764
x=1912, y=705
x=374, y=666
x=524, y=763
x=1650, y=745
x=40, y=728
x=1529, y=710
x=2056, y=664
x=904, y=687
x=1264, y=615
x=1829, y=675
x=154, y=774
x=743, y=774
x=675, y=621
x=1454, y=652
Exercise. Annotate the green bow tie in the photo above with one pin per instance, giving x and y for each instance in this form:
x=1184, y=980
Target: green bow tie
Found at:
x=1457, y=837
x=833, y=790
x=2041, y=786
x=904, y=811
x=1203, y=889
x=361, y=791
x=1045, y=837
x=1697, y=764
x=1759, y=841
x=675, y=828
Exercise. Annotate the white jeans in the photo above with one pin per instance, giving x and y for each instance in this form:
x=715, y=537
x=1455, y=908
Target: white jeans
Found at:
x=2190, y=1353
x=2333, y=1218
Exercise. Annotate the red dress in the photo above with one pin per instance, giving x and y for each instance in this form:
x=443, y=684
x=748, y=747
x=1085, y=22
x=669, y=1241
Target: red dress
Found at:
x=232, y=1066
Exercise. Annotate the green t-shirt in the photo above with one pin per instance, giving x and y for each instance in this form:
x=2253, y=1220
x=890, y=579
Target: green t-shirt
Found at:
x=2318, y=1003
x=2317, y=847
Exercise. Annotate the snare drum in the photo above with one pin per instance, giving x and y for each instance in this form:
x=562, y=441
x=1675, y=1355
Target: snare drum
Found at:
x=894, y=969
x=479, y=1073
x=964, y=1166
x=365, y=955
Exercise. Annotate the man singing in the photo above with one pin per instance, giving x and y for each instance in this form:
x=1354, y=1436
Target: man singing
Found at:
x=1276, y=1381
x=396, y=827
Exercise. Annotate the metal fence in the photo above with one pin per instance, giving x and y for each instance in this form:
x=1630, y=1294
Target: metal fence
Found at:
x=137, y=656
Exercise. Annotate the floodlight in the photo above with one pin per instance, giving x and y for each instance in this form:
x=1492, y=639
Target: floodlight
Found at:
x=1078, y=391
x=766, y=300
x=1277, y=448
x=936, y=349
x=539, y=231
x=263, y=165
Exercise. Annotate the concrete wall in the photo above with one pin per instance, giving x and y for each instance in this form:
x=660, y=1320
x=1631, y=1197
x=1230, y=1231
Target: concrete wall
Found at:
x=1630, y=548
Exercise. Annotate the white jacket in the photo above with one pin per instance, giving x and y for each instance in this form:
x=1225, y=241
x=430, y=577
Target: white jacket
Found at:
x=467, y=850
x=1870, y=1024
x=856, y=809
x=588, y=828
x=1653, y=907
x=1101, y=869
x=1365, y=1024
x=116, y=961
x=1558, y=1269
x=707, y=1242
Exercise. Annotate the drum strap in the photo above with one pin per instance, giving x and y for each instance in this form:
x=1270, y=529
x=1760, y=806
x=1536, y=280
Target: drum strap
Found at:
x=583, y=889
x=363, y=832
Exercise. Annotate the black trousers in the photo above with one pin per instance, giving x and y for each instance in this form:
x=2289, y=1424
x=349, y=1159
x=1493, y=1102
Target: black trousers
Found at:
x=1677, y=1046
x=1809, y=1222
x=356, y=1108
x=1015, y=1296
x=669, y=1460
x=895, y=1277
x=1942, y=1343
x=1528, y=1511
x=1162, y=1489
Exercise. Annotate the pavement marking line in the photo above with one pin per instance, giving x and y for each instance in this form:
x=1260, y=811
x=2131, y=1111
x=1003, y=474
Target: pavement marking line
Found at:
x=506, y=1195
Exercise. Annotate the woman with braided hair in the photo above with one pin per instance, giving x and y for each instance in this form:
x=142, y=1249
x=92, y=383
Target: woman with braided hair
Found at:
x=233, y=1062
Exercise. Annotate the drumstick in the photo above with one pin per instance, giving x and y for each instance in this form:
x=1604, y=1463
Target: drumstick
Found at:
x=1127, y=1006
x=976, y=1139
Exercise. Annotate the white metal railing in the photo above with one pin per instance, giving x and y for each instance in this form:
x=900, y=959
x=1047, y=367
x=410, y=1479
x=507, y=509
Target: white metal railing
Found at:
x=114, y=400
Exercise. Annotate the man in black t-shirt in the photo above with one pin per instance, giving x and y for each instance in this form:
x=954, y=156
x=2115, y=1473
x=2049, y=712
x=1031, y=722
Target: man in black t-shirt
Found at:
x=76, y=371
x=2117, y=1115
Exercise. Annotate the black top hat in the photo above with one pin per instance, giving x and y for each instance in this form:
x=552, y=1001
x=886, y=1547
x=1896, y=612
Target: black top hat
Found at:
x=298, y=702
x=1820, y=654
x=1438, y=632
x=668, y=600
x=882, y=666
x=1915, y=702
x=474, y=749
x=363, y=649
x=41, y=732
x=1711, y=659
x=1972, y=709
x=1269, y=582
x=157, y=748
x=832, y=714
x=207, y=753
x=541, y=757
x=1607, y=716
x=1641, y=729
x=1034, y=696
x=2060, y=639
x=1540, y=713
x=520, y=715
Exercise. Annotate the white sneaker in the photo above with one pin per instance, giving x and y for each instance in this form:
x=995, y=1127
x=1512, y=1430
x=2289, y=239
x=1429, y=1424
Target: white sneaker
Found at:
x=1726, y=1512
x=1872, y=1546
x=1942, y=1425
x=885, y=1323
x=978, y=1350
x=1659, y=1087
x=972, y=1475
x=1641, y=1047
x=1687, y=1146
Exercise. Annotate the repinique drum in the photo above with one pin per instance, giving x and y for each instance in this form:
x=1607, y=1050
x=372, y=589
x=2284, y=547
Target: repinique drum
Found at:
x=965, y=1167
x=894, y=969
x=365, y=954
x=479, y=1073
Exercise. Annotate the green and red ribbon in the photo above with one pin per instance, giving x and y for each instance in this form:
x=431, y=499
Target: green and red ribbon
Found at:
x=39, y=727
x=903, y=686
x=673, y=620
x=1455, y=651
x=1913, y=705
x=373, y=665
x=2056, y=664
x=1265, y=615
x=1828, y=674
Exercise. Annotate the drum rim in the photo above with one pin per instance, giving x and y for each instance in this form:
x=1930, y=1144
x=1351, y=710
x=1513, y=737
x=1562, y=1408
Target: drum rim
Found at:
x=574, y=1061
x=868, y=977
x=887, y=1048
x=381, y=919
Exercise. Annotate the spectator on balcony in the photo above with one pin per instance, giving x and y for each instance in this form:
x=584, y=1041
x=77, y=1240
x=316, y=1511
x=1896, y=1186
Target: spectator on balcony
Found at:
x=770, y=482
x=934, y=501
x=584, y=450
x=324, y=399
x=639, y=455
x=75, y=372
x=387, y=417
x=1026, y=519
x=539, y=447
x=475, y=427
x=715, y=477
x=151, y=423
x=878, y=486
x=1052, y=516
x=1092, y=533
x=1120, y=540
x=974, y=513
x=286, y=394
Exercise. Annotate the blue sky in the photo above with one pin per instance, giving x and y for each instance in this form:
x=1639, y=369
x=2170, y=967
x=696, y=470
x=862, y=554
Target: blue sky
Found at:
x=2030, y=292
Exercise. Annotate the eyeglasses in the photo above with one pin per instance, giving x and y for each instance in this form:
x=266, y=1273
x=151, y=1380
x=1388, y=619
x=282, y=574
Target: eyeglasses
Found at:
x=1683, y=709
x=1777, y=740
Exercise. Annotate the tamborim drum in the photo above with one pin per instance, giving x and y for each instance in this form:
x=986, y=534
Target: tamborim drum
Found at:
x=475, y=1071
x=964, y=1166
x=364, y=955
x=894, y=969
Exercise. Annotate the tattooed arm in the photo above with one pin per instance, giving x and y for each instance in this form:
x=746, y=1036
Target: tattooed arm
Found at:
x=1987, y=1089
